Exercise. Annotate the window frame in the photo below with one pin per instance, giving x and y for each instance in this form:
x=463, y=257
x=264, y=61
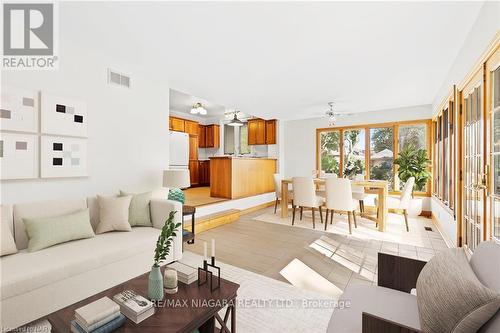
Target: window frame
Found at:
x=366, y=128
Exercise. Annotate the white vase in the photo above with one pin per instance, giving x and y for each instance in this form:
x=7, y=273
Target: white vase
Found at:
x=415, y=208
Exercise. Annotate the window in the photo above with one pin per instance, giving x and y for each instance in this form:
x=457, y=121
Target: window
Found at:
x=228, y=140
x=370, y=150
x=382, y=154
x=354, y=153
x=329, y=152
x=244, y=147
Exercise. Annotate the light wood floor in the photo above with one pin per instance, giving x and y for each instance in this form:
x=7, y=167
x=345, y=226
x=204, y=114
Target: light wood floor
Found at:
x=266, y=248
x=200, y=196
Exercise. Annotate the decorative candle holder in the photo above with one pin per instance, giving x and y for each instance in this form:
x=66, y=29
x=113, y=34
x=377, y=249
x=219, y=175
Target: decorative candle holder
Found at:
x=170, y=281
x=209, y=275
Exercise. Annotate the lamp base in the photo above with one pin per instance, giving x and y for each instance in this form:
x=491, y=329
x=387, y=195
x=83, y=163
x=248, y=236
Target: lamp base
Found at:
x=176, y=194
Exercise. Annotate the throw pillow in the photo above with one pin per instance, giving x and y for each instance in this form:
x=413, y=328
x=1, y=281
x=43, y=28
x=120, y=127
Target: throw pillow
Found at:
x=138, y=213
x=7, y=244
x=450, y=297
x=49, y=231
x=113, y=214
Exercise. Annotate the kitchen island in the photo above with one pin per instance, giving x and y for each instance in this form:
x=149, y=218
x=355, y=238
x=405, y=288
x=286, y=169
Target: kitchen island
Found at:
x=233, y=177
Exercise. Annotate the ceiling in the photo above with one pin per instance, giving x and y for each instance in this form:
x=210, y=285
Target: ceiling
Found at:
x=283, y=59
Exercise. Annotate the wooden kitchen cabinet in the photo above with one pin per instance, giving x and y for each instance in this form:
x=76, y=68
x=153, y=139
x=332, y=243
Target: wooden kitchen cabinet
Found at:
x=271, y=131
x=176, y=124
x=193, y=147
x=204, y=172
x=191, y=127
x=202, y=136
x=256, y=132
x=194, y=176
x=212, y=136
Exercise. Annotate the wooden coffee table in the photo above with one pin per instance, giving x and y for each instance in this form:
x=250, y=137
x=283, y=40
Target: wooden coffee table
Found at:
x=197, y=309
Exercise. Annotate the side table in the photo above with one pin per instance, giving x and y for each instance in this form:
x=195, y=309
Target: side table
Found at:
x=188, y=236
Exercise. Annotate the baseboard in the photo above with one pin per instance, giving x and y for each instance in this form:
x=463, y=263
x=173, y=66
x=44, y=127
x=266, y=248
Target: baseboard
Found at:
x=439, y=228
x=255, y=208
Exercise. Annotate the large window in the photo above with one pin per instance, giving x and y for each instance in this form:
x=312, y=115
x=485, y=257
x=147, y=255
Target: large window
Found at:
x=444, y=162
x=370, y=150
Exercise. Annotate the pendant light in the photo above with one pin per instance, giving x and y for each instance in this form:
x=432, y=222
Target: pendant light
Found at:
x=235, y=121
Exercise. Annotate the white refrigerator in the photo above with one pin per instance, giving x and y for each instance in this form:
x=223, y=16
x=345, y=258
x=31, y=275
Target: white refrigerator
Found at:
x=179, y=150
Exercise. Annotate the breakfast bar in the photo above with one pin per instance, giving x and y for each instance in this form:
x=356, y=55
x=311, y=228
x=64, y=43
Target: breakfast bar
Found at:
x=235, y=177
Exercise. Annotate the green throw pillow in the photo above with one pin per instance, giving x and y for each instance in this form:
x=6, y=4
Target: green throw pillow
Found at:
x=138, y=213
x=49, y=231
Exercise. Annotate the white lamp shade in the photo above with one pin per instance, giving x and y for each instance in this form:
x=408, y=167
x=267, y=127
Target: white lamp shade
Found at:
x=176, y=178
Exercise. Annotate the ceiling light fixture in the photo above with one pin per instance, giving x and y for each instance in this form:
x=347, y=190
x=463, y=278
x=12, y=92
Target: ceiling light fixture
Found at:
x=198, y=109
x=235, y=121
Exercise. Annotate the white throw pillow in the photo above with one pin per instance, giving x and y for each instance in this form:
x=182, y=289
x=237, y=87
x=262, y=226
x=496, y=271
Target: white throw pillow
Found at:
x=7, y=244
x=113, y=214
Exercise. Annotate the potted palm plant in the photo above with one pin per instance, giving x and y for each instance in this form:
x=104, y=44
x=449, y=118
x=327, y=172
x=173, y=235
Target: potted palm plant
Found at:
x=414, y=162
x=163, y=244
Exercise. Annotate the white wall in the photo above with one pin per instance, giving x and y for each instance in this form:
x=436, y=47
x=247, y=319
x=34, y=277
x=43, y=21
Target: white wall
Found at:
x=477, y=41
x=127, y=128
x=300, y=135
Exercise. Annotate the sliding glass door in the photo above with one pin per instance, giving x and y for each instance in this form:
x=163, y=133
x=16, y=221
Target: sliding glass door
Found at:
x=473, y=177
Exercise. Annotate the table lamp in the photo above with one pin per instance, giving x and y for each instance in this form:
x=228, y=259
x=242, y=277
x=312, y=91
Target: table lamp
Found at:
x=176, y=180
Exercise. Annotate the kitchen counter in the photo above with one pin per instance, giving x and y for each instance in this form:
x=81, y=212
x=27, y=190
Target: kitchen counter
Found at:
x=235, y=177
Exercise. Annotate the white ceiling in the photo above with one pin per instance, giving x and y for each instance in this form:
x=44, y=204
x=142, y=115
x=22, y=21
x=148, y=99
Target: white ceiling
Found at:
x=183, y=102
x=284, y=59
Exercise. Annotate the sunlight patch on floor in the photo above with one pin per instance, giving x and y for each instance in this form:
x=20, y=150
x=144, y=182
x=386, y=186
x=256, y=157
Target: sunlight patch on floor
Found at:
x=302, y=276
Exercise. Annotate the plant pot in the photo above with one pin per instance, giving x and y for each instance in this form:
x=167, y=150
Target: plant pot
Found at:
x=415, y=208
x=155, y=285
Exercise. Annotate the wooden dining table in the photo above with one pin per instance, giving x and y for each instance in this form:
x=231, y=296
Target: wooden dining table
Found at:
x=379, y=187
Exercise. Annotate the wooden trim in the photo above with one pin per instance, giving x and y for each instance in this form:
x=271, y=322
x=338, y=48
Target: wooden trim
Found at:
x=255, y=208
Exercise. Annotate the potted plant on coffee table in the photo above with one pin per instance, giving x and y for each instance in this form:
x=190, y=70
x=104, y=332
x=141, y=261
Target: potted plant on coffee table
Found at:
x=163, y=245
x=414, y=162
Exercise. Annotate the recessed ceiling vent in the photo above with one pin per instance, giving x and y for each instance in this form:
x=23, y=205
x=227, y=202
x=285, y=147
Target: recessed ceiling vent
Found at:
x=120, y=79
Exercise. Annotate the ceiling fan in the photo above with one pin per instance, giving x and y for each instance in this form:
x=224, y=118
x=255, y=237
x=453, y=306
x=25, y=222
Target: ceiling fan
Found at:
x=333, y=115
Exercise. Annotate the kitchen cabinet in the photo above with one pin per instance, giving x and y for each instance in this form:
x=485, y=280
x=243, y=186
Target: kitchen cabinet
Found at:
x=193, y=147
x=191, y=127
x=194, y=172
x=204, y=172
x=212, y=136
x=256, y=132
x=271, y=131
x=262, y=132
x=176, y=124
x=202, y=136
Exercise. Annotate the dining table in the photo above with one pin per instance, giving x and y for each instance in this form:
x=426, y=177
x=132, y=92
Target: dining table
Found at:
x=378, y=187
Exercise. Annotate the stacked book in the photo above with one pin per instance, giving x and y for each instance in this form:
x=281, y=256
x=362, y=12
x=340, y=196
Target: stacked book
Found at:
x=186, y=274
x=134, y=306
x=101, y=316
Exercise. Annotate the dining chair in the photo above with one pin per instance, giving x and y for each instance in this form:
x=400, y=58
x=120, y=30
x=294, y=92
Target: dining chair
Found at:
x=401, y=204
x=277, y=188
x=358, y=193
x=304, y=196
x=321, y=189
x=339, y=199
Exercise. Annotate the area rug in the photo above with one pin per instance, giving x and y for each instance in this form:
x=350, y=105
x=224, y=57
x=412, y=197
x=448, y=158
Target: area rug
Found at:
x=268, y=305
x=366, y=230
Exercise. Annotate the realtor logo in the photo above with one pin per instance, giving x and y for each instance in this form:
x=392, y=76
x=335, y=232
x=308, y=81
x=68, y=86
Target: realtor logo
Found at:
x=29, y=36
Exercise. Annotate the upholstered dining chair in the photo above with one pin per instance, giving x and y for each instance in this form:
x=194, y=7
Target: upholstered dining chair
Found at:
x=358, y=193
x=321, y=189
x=277, y=188
x=304, y=196
x=401, y=204
x=339, y=199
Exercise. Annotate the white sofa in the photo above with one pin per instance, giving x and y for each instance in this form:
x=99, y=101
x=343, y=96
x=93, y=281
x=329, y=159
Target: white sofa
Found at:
x=38, y=283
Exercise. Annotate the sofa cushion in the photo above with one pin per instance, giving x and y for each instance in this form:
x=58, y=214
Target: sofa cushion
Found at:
x=450, y=296
x=26, y=271
x=48, y=231
x=113, y=214
x=7, y=244
x=38, y=210
x=139, y=213
x=397, y=306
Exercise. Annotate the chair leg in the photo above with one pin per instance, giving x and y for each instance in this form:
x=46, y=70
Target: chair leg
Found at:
x=361, y=206
x=405, y=213
x=293, y=214
x=349, y=221
x=301, y=210
x=326, y=220
x=331, y=217
x=320, y=214
x=312, y=211
x=354, y=218
x=276, y=205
